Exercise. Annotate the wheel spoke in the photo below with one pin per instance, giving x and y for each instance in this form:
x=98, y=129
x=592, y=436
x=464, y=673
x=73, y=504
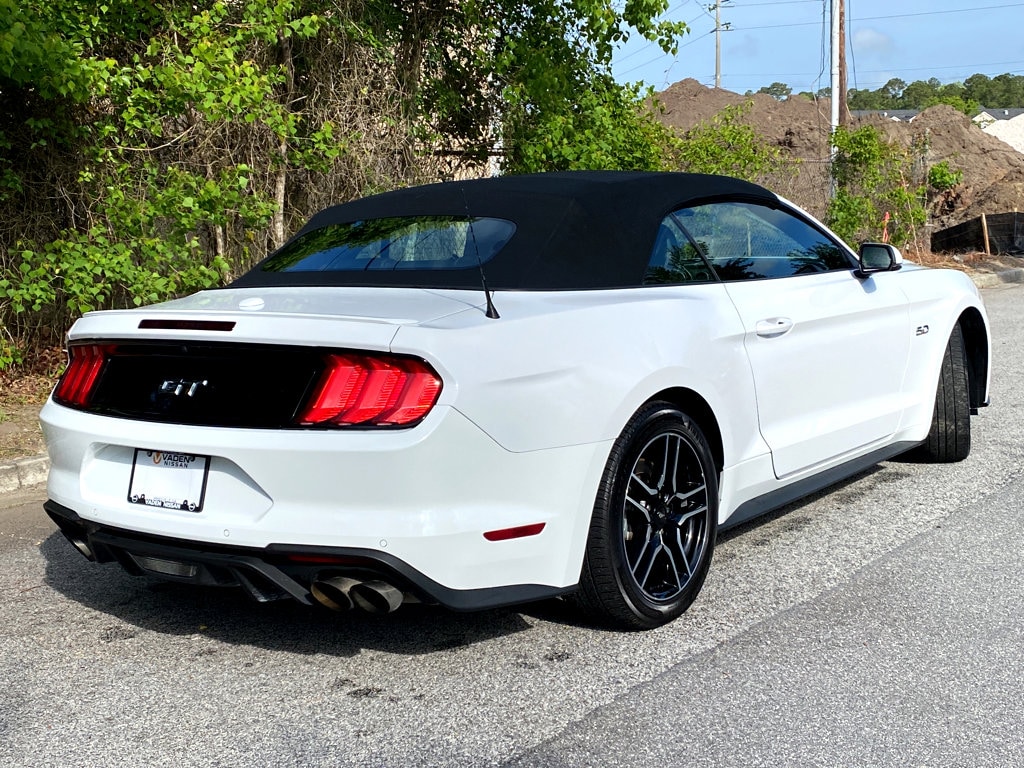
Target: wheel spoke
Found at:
x=676, y=444
x=691, y=514
x=642, y=581
x=641, y=507
x=664, y=465
x=643, y=547
x=649, y=490
x=683, y=496
x=677, y=585
x=682, y=552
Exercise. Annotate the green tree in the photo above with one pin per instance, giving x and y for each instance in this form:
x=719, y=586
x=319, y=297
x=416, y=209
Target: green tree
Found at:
x=727, y=145
x=875, y=189
x=486, y=72
x=919, y=94
x=893, y=90
x=147, y=150
x=863, y=99
x=778, y=91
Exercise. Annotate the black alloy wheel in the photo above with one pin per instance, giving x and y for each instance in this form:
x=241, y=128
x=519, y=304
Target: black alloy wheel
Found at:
x=655, y=519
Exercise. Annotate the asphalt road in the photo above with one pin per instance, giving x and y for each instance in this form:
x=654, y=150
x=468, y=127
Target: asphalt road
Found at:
x=877, y=624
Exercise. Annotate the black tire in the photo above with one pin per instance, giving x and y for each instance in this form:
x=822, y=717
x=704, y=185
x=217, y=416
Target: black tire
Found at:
x=655, y=518
x=949, y=439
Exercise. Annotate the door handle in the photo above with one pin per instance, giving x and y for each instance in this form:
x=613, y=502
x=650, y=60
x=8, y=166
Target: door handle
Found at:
x=770, y=328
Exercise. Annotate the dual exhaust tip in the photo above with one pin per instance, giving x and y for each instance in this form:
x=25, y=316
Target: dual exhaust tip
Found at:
x=344, y=593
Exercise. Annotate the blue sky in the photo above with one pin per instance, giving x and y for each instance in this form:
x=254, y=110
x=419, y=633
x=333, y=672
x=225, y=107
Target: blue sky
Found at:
x=782, y=40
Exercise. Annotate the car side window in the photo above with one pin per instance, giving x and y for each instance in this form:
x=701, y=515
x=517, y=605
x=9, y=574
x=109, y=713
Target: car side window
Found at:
x=748, y=241
x=675, y=258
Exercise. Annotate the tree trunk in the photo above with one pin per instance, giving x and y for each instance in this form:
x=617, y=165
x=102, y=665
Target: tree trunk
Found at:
x=280, y=184
x=277, y=228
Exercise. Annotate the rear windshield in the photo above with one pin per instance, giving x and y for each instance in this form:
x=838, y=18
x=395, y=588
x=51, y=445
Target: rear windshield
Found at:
x=395, y=243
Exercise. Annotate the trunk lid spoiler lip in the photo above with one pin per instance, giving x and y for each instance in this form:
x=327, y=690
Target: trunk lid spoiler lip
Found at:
x=328, y=317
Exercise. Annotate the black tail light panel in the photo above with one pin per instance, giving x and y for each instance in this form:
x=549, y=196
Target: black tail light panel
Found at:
x=212, y=384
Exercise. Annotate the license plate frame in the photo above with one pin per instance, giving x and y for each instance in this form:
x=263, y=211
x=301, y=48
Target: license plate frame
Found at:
x=169, y=480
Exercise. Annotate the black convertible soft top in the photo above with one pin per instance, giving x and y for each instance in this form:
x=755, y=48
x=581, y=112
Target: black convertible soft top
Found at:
x=574, y=230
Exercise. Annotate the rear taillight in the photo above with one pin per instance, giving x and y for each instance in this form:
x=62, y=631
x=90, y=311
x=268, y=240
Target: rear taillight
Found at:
x=371, y=390
x=76, y=385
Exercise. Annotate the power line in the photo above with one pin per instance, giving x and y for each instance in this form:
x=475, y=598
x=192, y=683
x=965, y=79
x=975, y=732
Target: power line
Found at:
x=646, y=46
x=779, y=26
x=948, y=66
x=662, y=55
x=741, y=5
x=935, y=13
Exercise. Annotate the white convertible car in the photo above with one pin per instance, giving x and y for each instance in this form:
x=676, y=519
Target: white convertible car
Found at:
x=489, y=392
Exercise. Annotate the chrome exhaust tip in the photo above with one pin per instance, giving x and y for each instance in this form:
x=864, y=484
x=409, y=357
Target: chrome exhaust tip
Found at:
x=377, y=597
x=81, y=545
x=334, y=592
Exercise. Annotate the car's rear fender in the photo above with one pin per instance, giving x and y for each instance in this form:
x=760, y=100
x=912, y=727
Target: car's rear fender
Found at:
x=571, y=368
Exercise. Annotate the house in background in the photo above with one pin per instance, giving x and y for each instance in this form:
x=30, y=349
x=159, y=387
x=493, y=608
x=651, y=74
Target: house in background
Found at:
x=1004, y=124
x=897, y=115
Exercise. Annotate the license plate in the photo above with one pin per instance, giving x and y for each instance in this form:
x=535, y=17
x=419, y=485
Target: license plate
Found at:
x=168, y=479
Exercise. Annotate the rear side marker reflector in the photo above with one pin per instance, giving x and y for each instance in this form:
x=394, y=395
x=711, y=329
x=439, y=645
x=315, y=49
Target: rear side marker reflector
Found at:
x=515, y=532
x=371, y=390
x=188, y=325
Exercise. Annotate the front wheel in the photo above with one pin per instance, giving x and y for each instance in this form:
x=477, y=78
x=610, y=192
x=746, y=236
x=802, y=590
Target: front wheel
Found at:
x=655, y=518
x=949, y=439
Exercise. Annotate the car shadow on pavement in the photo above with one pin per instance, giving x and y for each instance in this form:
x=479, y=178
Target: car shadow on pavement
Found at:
x=228, y=615
x=845, y=491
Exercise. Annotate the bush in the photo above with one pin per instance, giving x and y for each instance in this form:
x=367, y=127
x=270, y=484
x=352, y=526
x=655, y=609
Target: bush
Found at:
x=873, y=178
x=942, y=178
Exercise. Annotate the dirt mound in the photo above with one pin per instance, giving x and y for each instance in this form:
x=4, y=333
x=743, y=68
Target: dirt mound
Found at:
x=993, y=171
x=799, y=125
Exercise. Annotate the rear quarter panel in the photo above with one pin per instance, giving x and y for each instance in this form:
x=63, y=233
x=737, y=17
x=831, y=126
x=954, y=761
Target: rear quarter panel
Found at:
x=567, y=368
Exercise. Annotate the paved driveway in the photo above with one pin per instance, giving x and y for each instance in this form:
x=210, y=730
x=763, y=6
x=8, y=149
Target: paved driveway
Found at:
x=879, y=623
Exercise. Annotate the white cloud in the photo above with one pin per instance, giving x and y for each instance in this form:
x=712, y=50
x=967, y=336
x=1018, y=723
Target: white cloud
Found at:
x=747, y=47
x=871, y=41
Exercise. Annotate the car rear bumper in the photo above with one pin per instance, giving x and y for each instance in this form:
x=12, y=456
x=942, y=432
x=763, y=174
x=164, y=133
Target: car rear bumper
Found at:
x=275, y=572
x=416, y=502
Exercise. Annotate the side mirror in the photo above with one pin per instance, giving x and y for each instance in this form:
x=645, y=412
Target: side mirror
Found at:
x=878, y=257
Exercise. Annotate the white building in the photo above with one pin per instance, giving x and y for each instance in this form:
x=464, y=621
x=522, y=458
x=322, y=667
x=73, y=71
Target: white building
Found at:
x=1004, y=124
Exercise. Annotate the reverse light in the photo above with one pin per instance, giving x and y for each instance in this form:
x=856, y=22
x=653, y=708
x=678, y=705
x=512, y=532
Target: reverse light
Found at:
x=78, y=381
x=371, y=390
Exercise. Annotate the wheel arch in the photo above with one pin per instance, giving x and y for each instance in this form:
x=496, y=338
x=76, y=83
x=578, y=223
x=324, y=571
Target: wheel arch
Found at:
x=694, y=405
x=976, y=342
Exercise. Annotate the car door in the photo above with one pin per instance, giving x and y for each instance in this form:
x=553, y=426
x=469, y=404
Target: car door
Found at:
x=828, y=350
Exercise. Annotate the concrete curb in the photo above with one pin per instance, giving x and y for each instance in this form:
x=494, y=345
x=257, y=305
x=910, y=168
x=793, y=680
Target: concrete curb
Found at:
x=23, y=473
x=32, y=471
x=992, y=279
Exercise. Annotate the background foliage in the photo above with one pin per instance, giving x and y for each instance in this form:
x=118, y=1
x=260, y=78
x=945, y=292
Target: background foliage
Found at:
x=877, y=193
x=1006, y=90
x=150, y=148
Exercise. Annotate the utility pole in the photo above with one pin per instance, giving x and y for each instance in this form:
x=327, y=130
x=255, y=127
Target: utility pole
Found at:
x=837, y=78
x=836, y=42
x=717, y=8
x=844, y=111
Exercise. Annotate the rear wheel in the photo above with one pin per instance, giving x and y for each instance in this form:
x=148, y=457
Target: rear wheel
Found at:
x=949, y=439
x=655, y=517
